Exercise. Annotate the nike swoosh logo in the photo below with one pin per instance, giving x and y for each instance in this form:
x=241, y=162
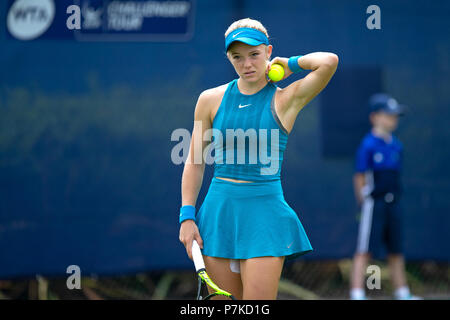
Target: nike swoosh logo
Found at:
x=290, y=245
x=241, y=106
x=234, y=36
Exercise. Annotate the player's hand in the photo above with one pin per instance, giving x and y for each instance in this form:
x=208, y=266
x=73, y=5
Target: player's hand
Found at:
x=283, y=62
x=189, y=232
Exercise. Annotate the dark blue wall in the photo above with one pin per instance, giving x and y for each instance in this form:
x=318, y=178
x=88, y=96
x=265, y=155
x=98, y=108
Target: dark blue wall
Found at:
x=86, y=176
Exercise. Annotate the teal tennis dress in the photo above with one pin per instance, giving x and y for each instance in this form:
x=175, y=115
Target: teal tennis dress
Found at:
x=249, y=219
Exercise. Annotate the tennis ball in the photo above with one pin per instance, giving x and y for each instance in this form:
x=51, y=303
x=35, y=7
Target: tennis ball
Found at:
x=276, y=72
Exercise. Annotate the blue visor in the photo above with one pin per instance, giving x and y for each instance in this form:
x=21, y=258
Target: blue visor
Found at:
x=249, y=36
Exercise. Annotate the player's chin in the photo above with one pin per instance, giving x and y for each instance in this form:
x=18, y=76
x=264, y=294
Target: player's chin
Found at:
x=252, y=76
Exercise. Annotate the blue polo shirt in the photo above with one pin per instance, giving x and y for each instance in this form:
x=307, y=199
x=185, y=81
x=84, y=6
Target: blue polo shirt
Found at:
x=383, y=160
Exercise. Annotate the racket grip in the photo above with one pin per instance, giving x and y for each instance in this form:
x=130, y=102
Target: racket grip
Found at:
x=197, y=256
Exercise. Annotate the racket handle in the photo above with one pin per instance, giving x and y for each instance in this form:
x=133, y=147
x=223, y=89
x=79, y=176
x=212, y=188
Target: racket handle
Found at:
x=197, y=256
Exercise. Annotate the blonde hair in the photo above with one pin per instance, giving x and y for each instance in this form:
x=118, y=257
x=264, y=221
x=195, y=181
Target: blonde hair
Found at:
x=246, y=23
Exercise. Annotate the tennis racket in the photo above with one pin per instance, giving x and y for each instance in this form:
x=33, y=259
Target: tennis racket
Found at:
x=203, y=278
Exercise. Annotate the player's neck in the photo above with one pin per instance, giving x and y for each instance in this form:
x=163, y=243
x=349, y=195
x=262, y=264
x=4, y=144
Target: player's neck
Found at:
x=246, y=87
x=381, y=132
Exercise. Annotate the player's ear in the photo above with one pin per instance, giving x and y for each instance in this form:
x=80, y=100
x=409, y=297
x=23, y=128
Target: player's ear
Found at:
x=228, y=55
x=269, y=51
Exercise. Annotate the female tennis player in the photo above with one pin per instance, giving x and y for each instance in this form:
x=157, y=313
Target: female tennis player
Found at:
x=244, y=227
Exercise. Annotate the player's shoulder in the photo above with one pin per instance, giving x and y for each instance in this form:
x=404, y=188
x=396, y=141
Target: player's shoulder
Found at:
x=215, y=93
x=209, y=99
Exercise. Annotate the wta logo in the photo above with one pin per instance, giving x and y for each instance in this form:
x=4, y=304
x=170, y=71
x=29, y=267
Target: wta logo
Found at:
x=233, y=146
x=28, y=19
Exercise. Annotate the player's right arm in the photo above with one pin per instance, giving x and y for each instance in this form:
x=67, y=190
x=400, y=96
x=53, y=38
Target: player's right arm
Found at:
x=194, y=168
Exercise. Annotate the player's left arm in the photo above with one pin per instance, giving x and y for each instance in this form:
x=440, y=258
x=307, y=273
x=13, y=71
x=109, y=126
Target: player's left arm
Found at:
x=298, y=94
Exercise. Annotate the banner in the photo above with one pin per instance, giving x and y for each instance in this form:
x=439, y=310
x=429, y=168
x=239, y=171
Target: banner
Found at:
x=100, y=20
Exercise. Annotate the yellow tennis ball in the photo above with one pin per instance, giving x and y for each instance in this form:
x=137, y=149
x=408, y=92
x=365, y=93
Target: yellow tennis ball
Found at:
x=276, y=72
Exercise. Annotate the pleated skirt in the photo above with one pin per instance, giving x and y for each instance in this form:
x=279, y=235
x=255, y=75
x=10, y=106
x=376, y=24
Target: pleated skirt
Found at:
x=248, y=220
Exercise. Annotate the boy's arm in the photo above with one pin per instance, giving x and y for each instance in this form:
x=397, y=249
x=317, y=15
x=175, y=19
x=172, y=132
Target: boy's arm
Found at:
x=359, y=181
x=363, y=165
